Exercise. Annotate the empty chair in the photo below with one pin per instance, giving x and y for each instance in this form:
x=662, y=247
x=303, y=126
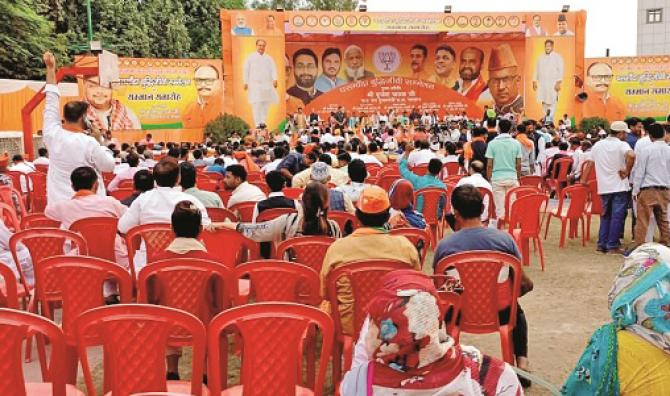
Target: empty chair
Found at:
x=273, y=336
x=571, y=207
x=594, y=205
x=433, y=208
x=230, y=247
x=559, y=174
x=38, y=193
x=511, y=196
x=279, y=280
x=525, y=223
x=38, y=220
x=532, y=181
x=134, y=338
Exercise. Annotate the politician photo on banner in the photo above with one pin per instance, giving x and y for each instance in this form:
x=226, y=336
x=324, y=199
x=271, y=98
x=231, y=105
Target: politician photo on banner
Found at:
x=548, y=77
x=260, y=81
x=208, y=104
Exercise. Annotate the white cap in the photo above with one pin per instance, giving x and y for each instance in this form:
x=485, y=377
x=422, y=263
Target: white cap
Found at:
x=619, y=126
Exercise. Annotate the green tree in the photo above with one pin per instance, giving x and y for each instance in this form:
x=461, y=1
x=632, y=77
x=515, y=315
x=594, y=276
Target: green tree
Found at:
x=325, y=5
x=201, y=17
x=166, y=28
x=333, y=5
x=24, y=36
x=121, y=28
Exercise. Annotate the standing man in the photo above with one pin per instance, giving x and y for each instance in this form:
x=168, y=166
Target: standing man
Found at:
x=548, y=78
x=471, y=84
x=614, y=161
x=305, y=67
x=504, y=81
x=503, y=169
x=651, y=184
x=563, y=27
x=260, y=80
x=209, y=102
x=331, y=62
x=68, y=144
x=355, y=70
x=418, y=55
x=445, y=60
x=634, y=131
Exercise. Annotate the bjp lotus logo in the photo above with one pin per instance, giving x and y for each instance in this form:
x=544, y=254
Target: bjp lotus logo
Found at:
x=387, y=59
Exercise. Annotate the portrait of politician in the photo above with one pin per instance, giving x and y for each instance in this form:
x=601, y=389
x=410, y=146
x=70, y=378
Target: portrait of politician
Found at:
x=417, y=56
x=260, y=82
x=505, y=80
x=535, y=29
x=445, y=61
x=355, y=69
x=105, y=112
x=331, y=63
x=599, y=102
x=208, y=104
x=305, y=68
x=270, y=28
x=241, y=28
x=471, y=83
x=548, y=78
x=563, y=26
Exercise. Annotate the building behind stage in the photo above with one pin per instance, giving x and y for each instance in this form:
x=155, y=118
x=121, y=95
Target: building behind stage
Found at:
x=653, y=27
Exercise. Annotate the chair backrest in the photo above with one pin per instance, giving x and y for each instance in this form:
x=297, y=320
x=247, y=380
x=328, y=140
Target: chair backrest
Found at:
x=156, y=237
x=486, y=193
x=306, y=250
x=221, y=214
x=126, y=183
x=386, y=179
x=262, y=185
x=43, y=243
x=525, y=214
x=452, y=168
x=9, y=218
x=207, y=184
x=230, y=247
x=107, y=177
x=531, y=181
x=38, y=194
x=453, y=179
x=13, y=197
x=41, y=168
x=134, y=338
x=278, y=280
x=38, y=220
x=420, y=170
x=292, y=192
x=372, y=169
x=17, y=326
x=431, y=202
x=561, y=169
x=594, y=198
x=122, y=193
x=100, y=235
x=578, y=195
x=17, y=177
x=213, y=175
x=8, y=288
x=273, y=213
x=261, y=326
x=419, y=238
x=342, y=219
x=78, y=285
x=478, y=272
x=245, y=210
x=516, y=193
x=363, y=277
x=224, y=195
x=592, y=172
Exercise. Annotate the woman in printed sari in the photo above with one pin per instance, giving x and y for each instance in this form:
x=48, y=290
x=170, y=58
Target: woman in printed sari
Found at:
x=404, y=349
x=631, y=355
x=401, y=195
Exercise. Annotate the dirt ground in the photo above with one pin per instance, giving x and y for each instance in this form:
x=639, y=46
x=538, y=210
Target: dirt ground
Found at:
x=568, y=303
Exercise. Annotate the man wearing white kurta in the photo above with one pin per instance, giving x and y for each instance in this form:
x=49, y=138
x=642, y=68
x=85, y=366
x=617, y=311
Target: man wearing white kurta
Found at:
x=260, y=80
x=548, y=78
x=69, y=147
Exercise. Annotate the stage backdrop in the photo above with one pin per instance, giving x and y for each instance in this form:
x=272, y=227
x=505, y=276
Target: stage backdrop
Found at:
x=525, y=63
x=627, y=86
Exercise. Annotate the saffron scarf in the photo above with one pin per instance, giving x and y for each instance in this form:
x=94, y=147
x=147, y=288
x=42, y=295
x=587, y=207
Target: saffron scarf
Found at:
x=467, y=148
x=525, y=141
x=118, y=118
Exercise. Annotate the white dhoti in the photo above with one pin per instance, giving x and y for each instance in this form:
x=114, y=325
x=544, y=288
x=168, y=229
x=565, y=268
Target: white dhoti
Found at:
x=260, y=112
x=260, y=75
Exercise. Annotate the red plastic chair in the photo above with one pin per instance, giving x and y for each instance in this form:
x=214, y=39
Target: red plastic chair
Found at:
x=41, y=168
x=279, y=280
x=532, y=181
x=14, y=198
x=230, y=247
x=343, y=218
x=419, y=237
x=512, y=195
x=594, y=205
x=213, y=175
x=134, y=340
x=591, y=174
x=107, y=177
x=17, y=326
x=293, y=192
x=306, y=250
x=262, y=325
x=262, y=185
x=372, y=169
x=255, y=177
x=363, y=279
x=100, y=235
x=200, y=287
x=560, y=168
x=8, y=215
x=38, y=220
x=224, y=195
x=526, y=224
x=273, y=213
x=454, y=179
x=574, y=212
x=245, y=210
x=126, y=183
x=156, y=237
x=76, y=282
x=38, y=194
x=9, y=295
x=18, y=179
x=452, y=168
x=207, y=184
x=218, y=215
x=420, y=170
x=431, y=199
x=122, y=193
x=478, y=272
x=386, y=179
x=488, y=194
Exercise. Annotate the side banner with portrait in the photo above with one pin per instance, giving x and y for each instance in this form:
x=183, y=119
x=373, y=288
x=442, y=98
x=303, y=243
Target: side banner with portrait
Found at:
x=412, y=72
x=258, y=67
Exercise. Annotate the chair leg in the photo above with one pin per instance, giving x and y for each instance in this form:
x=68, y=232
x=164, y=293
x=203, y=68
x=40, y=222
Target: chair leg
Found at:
x=564, y=226
x=588, y=227
x=539, y=244
x=546, y=228
x=581, y=221
x=310, y=350
x=337, y=363
x=41, y=356
x=506, y=345
x=525, y=250
x=32, y=308
x=71, y=364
